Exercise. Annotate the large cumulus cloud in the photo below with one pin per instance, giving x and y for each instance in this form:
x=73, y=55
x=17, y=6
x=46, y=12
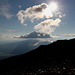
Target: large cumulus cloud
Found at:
x=35, y=12
x=47, y=26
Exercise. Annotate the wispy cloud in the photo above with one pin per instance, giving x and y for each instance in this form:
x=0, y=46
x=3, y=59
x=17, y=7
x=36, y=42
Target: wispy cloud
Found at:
x=7, y=36
x=68, y=35
x=5, y=9
x=43, y=41
x=9, y=30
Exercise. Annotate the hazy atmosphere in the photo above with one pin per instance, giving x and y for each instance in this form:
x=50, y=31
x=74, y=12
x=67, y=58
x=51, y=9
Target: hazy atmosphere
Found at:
x=27, y=24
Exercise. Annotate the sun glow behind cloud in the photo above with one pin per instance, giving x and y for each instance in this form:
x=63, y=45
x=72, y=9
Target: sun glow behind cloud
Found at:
x=52, y=7
x=40, y=11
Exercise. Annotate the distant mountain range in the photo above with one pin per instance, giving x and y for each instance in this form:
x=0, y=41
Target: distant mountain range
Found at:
x=57, y=58
x=20, y=47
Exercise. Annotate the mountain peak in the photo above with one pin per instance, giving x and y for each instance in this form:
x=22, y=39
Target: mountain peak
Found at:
x=35, y=35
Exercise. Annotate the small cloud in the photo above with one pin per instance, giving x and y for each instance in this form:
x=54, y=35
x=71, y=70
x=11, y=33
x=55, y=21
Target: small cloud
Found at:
x=19, y=6
x=63, y=15
x=25, y=24
x=38, y=35
x=5, y=10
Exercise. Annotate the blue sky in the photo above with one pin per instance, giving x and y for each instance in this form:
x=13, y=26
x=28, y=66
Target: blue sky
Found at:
x=11, y=26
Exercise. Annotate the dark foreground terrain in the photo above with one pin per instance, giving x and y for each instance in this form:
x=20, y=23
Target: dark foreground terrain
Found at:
x=57, y=58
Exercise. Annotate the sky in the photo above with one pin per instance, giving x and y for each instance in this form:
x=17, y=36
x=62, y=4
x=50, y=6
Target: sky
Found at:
x=53, y=17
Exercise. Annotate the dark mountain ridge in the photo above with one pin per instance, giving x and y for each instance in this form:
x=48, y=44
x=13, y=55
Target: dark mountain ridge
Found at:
x=44, y=60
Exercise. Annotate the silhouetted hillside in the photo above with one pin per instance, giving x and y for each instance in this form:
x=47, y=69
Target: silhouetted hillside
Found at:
x=19, y=47
x=57, y=58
